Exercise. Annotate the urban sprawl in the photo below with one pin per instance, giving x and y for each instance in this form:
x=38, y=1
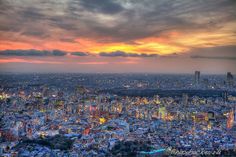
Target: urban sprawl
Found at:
x=90, y=115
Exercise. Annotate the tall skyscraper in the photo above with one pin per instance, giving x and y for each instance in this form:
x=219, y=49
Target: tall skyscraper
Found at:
x=185, y=99
x=225, y=96
x=197, y=77
x=230, y=79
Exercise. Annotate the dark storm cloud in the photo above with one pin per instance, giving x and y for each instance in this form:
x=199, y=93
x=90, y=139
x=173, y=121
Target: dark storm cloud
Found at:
x=114, y=54
x=213, y=57
x=104, y=6
x=80, y=54
x=65, y=23
x=4, y=6
x=152, y=18
x=57, y=53
x=125, y=54
x=25, y=21
x=32, y=53
x=117, y=20
x=31, y=14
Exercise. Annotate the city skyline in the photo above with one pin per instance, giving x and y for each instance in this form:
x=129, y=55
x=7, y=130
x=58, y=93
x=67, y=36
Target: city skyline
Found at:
x=118, y=36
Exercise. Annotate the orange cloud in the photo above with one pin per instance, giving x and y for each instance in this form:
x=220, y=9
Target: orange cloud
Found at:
x=68, y=61
x=19, y=60
x=165, y=44
x=4, y=45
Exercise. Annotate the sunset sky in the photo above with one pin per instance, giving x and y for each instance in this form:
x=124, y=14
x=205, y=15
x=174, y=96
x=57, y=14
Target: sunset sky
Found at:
x=156, y=36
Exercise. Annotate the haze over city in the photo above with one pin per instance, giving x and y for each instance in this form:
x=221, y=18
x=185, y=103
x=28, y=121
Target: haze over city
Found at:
x=118, y=36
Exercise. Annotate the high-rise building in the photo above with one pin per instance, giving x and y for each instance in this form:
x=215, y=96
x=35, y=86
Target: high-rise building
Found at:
x=185, y=99
x=234, y=114
x=230, y=79
x=225, y=96
x=197, y=77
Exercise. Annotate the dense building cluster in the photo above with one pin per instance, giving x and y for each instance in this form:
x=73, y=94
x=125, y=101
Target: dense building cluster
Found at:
x=78, y=115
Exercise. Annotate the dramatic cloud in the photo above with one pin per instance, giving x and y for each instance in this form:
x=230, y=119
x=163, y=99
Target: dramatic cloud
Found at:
x=214, y=57
x=104, y=6
x=20, y=60
x=124, y=54
x=114, y=20
x=32, y=53
x=80, y=53
x=63, y=53
x=142, y=29
x=57, y=53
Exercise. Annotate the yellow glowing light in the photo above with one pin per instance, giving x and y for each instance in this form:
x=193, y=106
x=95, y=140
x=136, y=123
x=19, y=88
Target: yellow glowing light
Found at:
x=42, y=110
x=209, y=126
x=42, y=135
x=162, y=112
x=145, y=101
x=102, y=120
x=157, y=101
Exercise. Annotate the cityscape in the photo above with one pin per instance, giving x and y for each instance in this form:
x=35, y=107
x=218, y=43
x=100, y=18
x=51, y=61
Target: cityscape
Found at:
x=117, y=78
x=117, y=115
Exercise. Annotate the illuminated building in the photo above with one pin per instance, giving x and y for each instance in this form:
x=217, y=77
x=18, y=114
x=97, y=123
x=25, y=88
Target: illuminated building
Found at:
x=185, y=99
x=230, y=79
x=211, y=115
x=230, y=120
x=235, y=115
x=45, y=91
x=102, y=120
x=162, y=112
x=225, y=96
x=86, y=131
x=209, y=126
